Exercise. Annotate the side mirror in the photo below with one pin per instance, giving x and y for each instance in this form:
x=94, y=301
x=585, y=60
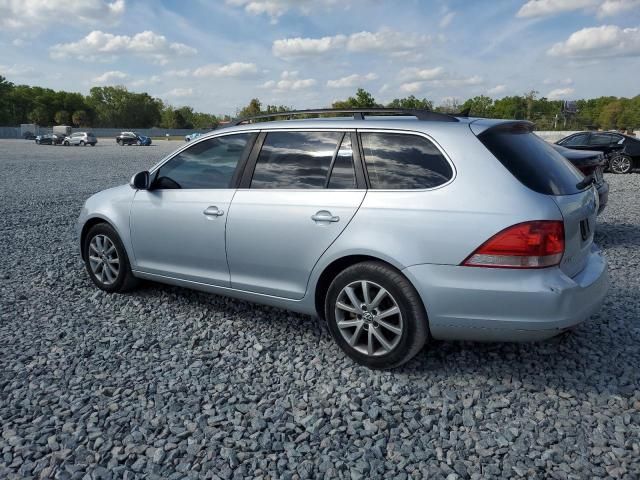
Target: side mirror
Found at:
x=140, y=181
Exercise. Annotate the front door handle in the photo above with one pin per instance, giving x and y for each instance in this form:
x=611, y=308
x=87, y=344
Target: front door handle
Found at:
x=213, y=211
x=324, y=216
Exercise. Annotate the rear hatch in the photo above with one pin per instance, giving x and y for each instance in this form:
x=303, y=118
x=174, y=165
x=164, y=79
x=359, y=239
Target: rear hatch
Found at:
x=538, y=166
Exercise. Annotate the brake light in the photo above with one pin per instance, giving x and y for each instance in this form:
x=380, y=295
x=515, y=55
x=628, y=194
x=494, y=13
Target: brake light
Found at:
x=536, y=244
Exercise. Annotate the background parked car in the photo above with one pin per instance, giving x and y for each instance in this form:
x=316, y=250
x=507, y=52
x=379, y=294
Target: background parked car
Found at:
x=192, y=136
x=622, y=151
x=29, y=136
x=49, y=139
x=132, y=138
x=81, y=138
x=591, y=164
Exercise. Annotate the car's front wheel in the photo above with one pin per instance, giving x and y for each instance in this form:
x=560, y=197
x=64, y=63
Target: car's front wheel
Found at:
x=66, y=144
x=620, y=163
x=106, y=260
x=375, y=315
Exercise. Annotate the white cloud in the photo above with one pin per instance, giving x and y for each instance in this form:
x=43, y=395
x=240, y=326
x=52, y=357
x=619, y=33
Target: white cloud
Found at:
x=110, y=77
x=421, y=74
x=351, y=80
x=606, y=8
x=383, y=41
x=299, y=47
x=235, y=69
x=99, y=45
x=179, y=92
x=497, y=90
x=35, y=14
x=178, y=73
x=153, y=80
x=604, y=41
x=411, y=87
x=560, y=93
x=446, y=19
x=289, y=81
x=277, y=8
x=19, y=71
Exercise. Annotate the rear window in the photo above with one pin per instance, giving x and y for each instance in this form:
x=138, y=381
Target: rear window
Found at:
x=398, y=161
x=531, y=160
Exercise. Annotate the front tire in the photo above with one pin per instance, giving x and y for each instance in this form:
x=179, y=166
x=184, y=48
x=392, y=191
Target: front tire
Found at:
x=66, y=144
x=620, y=164
x=106, y=260
x=375, y=315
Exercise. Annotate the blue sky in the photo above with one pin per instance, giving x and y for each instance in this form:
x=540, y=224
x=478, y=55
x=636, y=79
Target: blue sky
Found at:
x=216, y=55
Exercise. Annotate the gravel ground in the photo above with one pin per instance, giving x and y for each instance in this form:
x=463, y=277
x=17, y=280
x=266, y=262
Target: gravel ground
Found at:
x=170, y=383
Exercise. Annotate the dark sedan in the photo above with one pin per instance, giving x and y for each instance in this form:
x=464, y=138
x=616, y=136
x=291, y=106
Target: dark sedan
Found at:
x=591, y=164
x=49, y=139
x=622, y=151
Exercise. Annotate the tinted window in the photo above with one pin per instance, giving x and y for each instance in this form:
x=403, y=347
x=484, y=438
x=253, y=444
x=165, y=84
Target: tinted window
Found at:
x=600, y=139
x=342, y=173
x=531, y=160
x=295, y=159
x=580, y=139
x=400, y=161
x=207, y=164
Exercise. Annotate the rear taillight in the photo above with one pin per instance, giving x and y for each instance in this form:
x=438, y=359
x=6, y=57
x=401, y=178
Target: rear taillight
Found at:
x=536, y=244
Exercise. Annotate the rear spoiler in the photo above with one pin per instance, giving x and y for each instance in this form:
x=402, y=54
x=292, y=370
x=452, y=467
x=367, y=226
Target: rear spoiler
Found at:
x=511, y=126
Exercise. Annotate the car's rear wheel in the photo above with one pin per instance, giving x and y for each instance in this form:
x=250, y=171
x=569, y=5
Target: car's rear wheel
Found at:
x=375, y=315
x=82, y=144
x=620, y=163
x=106, y=260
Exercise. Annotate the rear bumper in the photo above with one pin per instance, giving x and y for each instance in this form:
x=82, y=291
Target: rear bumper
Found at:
x=491, y=304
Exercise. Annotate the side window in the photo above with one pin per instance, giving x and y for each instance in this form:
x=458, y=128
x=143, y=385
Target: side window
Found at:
x=342, y=173
x=600, y=139
x=207, y=164
x=401, y=161
x=295, y=160
x=579, y=139
x=617, y=139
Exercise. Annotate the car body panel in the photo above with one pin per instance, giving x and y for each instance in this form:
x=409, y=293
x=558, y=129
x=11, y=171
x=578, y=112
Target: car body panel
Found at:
x=619, y=143
x=171, y=235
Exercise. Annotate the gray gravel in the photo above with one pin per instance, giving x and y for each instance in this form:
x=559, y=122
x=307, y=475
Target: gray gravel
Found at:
x=170, y=383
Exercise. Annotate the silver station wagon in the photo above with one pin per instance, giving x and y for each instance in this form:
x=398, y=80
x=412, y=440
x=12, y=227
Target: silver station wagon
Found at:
x=394, y=226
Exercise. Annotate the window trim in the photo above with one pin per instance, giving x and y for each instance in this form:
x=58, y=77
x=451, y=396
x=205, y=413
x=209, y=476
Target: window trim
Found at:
x=235, y=178
x=250, y=166
x=454, y=171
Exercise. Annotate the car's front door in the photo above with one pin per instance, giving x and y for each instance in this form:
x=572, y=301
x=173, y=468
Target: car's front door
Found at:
x=178, y=225
x=299, y=192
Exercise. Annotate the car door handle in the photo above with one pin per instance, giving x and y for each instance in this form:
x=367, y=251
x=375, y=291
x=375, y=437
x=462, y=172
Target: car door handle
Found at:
x=324, y=216
x=213, y=212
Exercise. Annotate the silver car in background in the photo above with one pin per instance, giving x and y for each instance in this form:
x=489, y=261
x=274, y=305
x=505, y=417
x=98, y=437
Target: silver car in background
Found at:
x=81, y=139
x=394, y=230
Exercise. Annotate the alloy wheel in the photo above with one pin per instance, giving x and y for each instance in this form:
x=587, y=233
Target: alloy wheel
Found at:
x=103, y=259
x=620, y=164
x=368, y=318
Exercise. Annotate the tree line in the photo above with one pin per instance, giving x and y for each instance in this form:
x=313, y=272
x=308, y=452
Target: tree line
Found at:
x=115, y=106
x=103, y=107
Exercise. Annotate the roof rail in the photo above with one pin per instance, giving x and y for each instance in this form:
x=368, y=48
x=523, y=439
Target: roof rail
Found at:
x=358, y=114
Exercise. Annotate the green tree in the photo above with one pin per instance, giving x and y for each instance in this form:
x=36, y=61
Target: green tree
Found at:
x=254, y=108
x=80, y=118
x=61, y=117
x=479, y=106
x=6, y=110
x=39, y=115
x=362, y=99
x=411, y=102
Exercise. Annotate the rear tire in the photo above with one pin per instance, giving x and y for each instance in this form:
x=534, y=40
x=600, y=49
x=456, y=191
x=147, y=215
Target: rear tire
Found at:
x=106, y=260
x=382, y=327
x=620, y=163
x=82, y=144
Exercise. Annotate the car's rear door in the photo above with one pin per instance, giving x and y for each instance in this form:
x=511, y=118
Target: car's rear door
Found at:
x=178, y=226
x=299, y=191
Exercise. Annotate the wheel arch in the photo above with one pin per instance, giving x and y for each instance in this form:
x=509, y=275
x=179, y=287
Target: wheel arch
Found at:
x=330, y=271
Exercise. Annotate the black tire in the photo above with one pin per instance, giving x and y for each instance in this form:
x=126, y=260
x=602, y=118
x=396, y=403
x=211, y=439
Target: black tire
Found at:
x=414, y=327
x=124, y=281
x=66, y=144
x=621, y=163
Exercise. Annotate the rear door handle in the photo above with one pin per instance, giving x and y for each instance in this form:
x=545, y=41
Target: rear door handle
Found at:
x=213, y=211
x=324, y=216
